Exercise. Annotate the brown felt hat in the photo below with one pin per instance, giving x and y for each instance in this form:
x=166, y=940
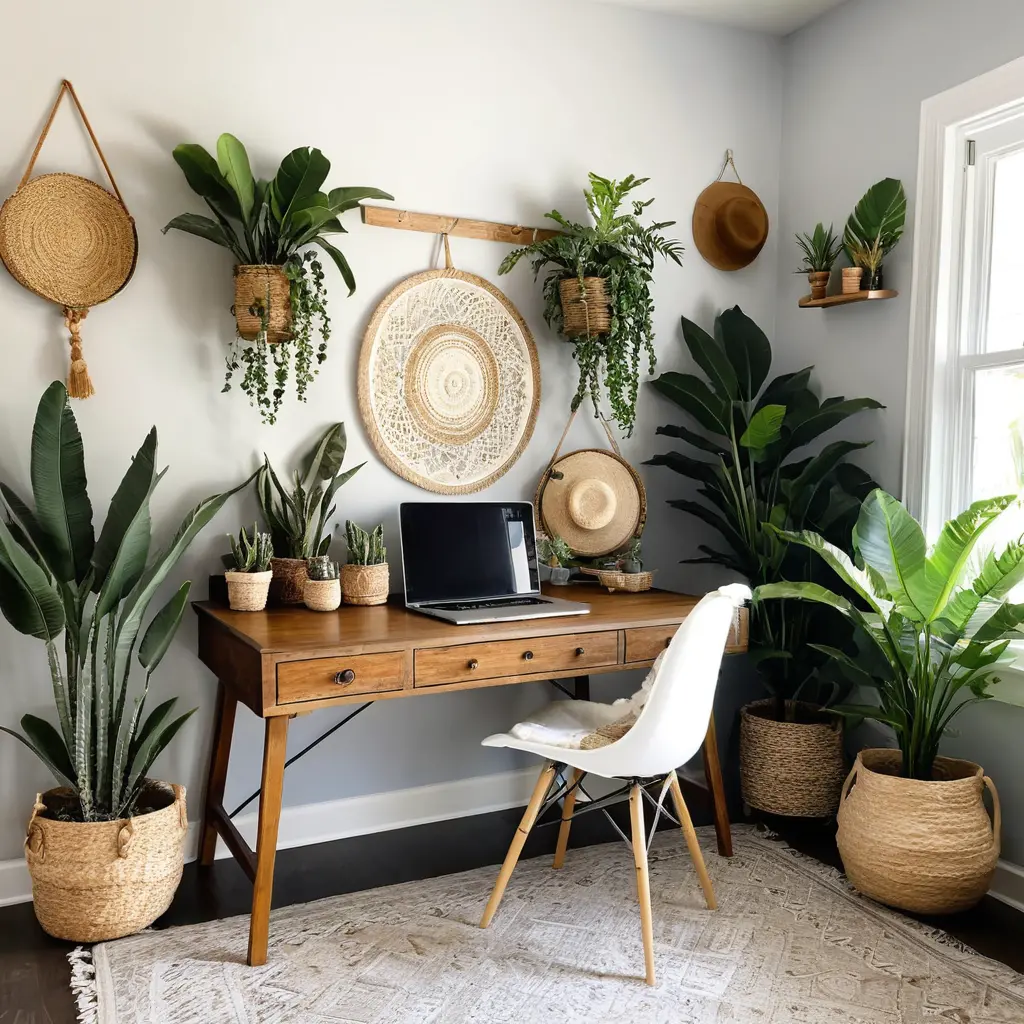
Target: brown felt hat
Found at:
x=730, y=225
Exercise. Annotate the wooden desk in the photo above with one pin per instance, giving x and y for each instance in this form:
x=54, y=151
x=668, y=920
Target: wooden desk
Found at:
x=290, y=661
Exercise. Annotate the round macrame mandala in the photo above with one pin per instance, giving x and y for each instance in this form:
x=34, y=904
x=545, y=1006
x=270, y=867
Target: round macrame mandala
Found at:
x=449, y=382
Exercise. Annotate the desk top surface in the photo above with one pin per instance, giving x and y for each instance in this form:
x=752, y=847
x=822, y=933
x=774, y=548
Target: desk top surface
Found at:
x=295, y=628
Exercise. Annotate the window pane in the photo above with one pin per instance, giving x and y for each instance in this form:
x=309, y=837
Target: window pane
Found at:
x=998, y=422
x=1005, y=309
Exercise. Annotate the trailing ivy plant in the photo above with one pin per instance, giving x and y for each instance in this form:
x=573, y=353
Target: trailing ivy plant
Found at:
x=622, y=251
x=273, y=222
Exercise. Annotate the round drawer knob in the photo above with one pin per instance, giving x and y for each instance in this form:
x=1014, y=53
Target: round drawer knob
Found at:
x=344, y=678
x=528, y=655
x=474, y=664
x=580, y=651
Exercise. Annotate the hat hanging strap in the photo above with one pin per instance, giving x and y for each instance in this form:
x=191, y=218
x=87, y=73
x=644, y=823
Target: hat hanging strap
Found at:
x=79, y=382
x=729, y=162
x=561, y=440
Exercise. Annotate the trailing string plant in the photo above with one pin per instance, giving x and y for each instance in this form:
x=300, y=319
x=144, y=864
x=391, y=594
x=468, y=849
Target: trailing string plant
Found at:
x=62, y=584
x=273, y=223
x=758, y=478
x=621, y=251
x=365, y=548
x=933, y=625
x=297, y=519
x=249, y=554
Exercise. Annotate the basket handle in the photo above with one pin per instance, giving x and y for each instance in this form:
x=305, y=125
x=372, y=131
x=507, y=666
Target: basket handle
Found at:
x=179, y=802
x=35, y=841
x=125, y=838
x=849, y=782
x=997, y=814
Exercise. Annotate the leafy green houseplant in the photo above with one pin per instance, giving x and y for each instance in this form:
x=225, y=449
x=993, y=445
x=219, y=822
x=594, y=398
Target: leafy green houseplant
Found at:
x=322, y=589
x=874, y=228
x=597, y=291
x=269, y=227
x=366, y=578
x=820, y=251
x=248, y=573
x=557, y=556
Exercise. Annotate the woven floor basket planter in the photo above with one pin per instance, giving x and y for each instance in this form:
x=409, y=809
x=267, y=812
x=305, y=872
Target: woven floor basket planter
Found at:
x=248, y=591
x=585, y=310
x=289, y=579
x=365, y=584
x=926, y=847
x=263, y=286
x=99, y=880
x=795, y=769
x=322, y=595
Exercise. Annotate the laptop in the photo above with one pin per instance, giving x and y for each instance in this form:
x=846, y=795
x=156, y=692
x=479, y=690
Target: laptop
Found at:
x=474, y=561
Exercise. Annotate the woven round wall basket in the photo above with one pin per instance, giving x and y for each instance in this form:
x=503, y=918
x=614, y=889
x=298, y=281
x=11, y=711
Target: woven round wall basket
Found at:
x=926, y=847
x=99, y=880
x=449, y=382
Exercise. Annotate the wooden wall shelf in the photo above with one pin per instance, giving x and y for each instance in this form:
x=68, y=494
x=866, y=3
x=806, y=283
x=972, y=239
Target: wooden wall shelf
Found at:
x=463, y=227
x=841, y=300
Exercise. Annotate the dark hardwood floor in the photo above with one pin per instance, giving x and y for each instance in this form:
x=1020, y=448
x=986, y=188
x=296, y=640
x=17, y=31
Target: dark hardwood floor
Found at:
x=34, y=972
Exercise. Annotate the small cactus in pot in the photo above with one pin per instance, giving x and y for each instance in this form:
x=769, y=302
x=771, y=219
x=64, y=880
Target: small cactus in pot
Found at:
x=366, y=578
x=248, y=572
x=322, y=589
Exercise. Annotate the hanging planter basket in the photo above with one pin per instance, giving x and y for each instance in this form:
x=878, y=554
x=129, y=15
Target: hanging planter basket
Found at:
x=263, y=291
x=585, y=309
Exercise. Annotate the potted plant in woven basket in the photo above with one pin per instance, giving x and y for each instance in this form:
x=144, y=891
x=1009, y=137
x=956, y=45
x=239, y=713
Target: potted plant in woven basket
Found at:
x=269, y=226
x=322, y=589
x=749, y=461
x=821, y=249
x=105, y=849
x=297, y=518
x=248, y=570
x=365, y=579
x=598, y=291
x=874, y=228
x=933, y=627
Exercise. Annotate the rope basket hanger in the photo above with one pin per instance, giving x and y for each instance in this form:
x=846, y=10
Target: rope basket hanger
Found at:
x=69, y=240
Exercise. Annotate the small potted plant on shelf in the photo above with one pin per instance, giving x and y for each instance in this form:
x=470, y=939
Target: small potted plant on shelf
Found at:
x=322, y=589
x=269, y=226
x=821, y=249
x=557, y=556
x=248, y=570
x=297, y=519
x=105, y=849
x=631, y=562
x=598, y=291
x=934, y=626
x=365, y=579
x=874, y=228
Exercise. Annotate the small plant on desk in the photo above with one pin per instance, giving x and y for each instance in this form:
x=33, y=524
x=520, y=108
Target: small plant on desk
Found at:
x=366, y=578
x=322, y=590
x=631, y=561
x=248, y=573
x=557, y=555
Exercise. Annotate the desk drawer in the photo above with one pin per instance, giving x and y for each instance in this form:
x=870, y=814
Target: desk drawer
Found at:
x=321, y=678
x=645, y=643
x=561, y=654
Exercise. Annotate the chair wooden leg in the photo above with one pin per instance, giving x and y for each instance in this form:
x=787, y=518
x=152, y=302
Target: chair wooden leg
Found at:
x=716, y=787
x=568, y=806
x=643, y=881
x=540, y=791
x=691, y=842
x=220, y=753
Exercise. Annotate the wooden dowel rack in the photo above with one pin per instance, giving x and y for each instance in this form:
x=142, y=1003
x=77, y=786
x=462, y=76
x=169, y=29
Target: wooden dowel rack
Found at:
x=461, y=227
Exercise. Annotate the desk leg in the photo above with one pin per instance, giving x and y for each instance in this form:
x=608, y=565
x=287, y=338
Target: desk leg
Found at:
x=224, y=727
x=581, y=687
x=274, y=748
x=713, y=774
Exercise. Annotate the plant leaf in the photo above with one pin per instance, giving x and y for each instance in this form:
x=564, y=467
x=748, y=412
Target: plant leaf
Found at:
x=710, y=357
x=692, y=395
x=203, y=227
x=300, y=175
x=764, y=427
x=161, y=630
x=28, y=598
x=747, y=348
x=205, y=179
x=339, y=261
x=342, y=199
x=233, y=163
x=63, y=773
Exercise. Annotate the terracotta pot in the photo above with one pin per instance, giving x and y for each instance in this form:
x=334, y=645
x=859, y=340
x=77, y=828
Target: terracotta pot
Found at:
x=818, y=280
x=322, y=595
x=795, y=768
x=584, y=310
x=247, y=591
x=926, y=847
x=289, y=578
x=99, y=880
x=263, y=287
x=365, y=584
x=851, y=279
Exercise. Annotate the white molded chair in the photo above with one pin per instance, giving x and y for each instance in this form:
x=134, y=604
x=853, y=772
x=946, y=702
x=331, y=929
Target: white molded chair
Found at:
x=669, y=730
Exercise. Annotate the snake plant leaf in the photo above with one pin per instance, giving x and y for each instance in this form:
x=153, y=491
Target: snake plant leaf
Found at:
x=205, y=178
x=52, y=752
x=879, y=217
x=323, y=461
x=63, y=509
x=300, y=175
x=747, y=348
x=28, y=598
x=233, y=163
x=147, y=753
x=204, y=227
x=160, y=632
x=332, y=488
x=692, y=395
x=710, y=357
x=339, y=261
x=342, y=199
x=764, y=427
x=133, y=490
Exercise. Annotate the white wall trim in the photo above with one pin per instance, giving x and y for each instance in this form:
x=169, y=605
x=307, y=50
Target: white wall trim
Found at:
x=1008, y=884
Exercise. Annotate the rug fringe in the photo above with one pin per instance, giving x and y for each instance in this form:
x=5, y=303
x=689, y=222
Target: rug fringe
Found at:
x=83, y=985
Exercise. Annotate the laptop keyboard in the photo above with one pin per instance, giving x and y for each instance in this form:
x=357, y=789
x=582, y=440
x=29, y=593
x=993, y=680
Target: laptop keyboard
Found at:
x=468, y=606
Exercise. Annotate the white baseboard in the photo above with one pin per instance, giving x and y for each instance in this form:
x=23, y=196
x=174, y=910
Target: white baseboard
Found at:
x=306, y=824
x=1008, y=884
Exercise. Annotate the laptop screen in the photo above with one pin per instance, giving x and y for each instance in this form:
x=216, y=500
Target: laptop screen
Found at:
x=467, y=550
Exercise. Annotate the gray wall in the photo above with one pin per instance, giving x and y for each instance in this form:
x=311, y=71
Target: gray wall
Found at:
x=854, y=83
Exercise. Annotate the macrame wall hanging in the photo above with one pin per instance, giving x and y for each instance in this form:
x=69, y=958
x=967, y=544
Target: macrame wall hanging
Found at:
x=70, y=241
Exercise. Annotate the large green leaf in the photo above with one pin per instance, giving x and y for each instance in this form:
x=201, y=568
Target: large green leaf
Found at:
x=339, y=261
x=879, y=217
x=348, y=198
x=161, y=630
x=806, y=592
x=764, y=427
x=211, y=230
x=300, y=175
x=323, y=461
x=63, y=509
x=205, y=178
x=998, y=576
x=805, y=485
x=713, y=519
x=147, y=754
x=51, y=751
x=28, y=599
x=695, y=469
x=692, y=395
x=705, y=444
x=785, y=389
x=827, y=416
x=711, y=358
x=1004, y=622
x=747, y=348
x=26, y=529
x=233, y=164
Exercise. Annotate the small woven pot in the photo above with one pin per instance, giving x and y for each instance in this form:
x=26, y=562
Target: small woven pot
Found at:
x=289, y=579
x=818, y=280
x=99, y=880
x=633, y=582
x=795, y=769
x=851, y=279
x=585, y=310
x=926, y=847
x=263, y=286
x=247, y=591
x=365, y=584
x=322, y=595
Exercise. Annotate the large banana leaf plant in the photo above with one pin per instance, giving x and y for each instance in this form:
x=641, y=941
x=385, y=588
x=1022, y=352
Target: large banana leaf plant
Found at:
x=754, y=473
x=935, y=624
x=91, y=595
x=273, y=222
x=876, y=225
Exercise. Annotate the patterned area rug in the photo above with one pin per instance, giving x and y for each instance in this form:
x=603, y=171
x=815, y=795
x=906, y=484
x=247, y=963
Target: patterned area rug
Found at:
x=790, y=944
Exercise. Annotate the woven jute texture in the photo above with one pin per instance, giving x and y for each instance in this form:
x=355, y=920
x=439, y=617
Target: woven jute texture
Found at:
x=633, y=582
x=585, y=311
x=790, y=768
x=248, y=591
x=604, y=735
x=365, y=584
x=99, y=880
x=289, y=579
x=926, y=847
x=852, y=277
x=322, y=595
x=263, y=287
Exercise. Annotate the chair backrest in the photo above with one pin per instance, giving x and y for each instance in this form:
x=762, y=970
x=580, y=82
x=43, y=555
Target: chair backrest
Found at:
x=670, y=729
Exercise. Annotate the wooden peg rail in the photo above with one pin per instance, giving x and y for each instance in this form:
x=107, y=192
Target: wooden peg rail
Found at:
x=462, y=227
